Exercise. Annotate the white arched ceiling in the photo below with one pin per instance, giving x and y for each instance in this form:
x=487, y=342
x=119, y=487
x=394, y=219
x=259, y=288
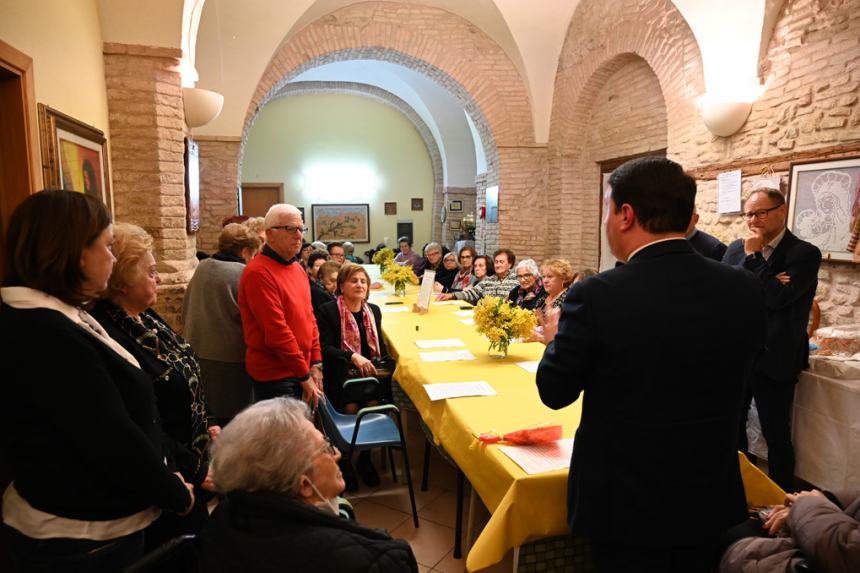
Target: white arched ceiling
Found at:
x=442, y=113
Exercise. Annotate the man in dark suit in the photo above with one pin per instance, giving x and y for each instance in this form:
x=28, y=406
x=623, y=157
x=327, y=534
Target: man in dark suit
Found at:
x=787, y=269
x=703, y=243
x=653, y=390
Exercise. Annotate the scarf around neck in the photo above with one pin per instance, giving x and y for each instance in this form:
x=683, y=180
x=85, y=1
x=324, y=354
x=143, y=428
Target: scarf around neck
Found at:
x=350, y=336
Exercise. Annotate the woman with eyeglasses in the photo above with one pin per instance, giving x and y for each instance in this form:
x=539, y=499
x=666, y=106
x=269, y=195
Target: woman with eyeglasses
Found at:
x=78, y=416
x=530, y=293
x=465, y=277
x=279, y=478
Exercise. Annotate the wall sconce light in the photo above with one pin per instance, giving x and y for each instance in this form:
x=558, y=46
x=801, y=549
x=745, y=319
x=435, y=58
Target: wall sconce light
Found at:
x=201, y=106
x=726, y=117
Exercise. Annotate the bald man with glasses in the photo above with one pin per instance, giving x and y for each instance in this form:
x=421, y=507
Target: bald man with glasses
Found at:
x=787, y=268
x=283, y=354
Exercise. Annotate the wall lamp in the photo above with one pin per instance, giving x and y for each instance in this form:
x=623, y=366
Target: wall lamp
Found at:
x=201, y=106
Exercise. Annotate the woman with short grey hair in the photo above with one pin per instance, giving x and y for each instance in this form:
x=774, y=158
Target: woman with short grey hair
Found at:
x=529, y=293
x=280, y=481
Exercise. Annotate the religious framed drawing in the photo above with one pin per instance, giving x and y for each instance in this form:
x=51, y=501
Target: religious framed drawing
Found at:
x=341, y=223
x=823, y=205
x=74, y=155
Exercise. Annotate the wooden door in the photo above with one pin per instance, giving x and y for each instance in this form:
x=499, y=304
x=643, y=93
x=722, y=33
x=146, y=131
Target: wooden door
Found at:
x=258, y=197
x=20, y=169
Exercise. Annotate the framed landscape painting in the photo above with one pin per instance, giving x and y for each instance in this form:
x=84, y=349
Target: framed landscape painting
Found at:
x=823, y=202
x=341, y=223
x=74, y=155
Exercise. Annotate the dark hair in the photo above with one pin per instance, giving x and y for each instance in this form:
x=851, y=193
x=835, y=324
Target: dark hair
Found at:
x=315, y=256
x=772, y=194
x=405, y=239
x=661, y=194
x=491, y=268
x=39, y=256
x=471, y=250
x=512, y=258
x=334, y=244
x=233, y=219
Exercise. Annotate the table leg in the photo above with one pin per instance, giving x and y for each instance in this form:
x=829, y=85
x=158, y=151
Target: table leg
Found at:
x=470, y=521
x=458, y=520
x=516, y=558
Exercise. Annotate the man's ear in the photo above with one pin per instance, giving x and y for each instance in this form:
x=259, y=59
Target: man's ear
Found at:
x=628, y=217
x=305, y=489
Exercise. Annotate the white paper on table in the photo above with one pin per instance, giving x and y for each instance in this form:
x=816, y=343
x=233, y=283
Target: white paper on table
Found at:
x=729, y=191
x=540, y=458
x=458, y=390
x=439, y=343
x=387, y=309
x=376, y=293
x=446, y=355
x=529, y=366
x=441, y=302
x=469, y=321
x=465, y=313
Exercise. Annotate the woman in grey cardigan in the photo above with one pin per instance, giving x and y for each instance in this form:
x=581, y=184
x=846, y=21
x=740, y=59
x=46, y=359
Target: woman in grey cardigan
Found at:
x=823, y=535
x=213, y=325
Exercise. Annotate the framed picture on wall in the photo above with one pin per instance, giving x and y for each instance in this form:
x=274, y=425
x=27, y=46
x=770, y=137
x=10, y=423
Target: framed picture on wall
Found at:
x=417, y=204
x=391, y=208
x=454, y=225
x=192, y=185
x=824, y=197
x=456, y=206
x=341, y=223
x=74, y=155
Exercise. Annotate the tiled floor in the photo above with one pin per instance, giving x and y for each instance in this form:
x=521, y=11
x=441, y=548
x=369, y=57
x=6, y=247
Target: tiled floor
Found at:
x=387, y=506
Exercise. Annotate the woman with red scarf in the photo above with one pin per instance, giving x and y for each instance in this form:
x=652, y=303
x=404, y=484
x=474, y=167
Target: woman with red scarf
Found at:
x=352, y=345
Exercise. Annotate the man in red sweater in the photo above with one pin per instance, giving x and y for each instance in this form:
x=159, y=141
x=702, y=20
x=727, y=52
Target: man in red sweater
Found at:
x=283, y=347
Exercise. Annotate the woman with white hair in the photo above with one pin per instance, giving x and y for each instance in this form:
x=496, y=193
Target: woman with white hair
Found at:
x=280, y=480
x=529, y=293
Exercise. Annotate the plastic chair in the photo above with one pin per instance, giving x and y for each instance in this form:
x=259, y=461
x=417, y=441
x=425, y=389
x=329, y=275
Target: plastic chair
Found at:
x=369, y=428
x=175, y=555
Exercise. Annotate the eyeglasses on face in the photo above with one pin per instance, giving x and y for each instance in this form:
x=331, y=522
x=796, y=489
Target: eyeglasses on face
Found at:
x=290, y=228
x=524, y=276
x=761, y=214
x=328, y=448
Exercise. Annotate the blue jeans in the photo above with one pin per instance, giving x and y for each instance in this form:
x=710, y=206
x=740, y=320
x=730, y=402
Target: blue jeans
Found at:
x=73, y=555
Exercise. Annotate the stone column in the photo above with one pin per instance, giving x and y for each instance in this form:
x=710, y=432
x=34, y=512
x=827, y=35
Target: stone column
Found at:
x=219, y=165
x=147, y=129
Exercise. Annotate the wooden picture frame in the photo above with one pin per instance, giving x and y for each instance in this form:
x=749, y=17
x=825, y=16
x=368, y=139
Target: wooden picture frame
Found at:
x=391, y=208
x=823, y=194
x=74, y=155
x=454, y=225
x=341, y=222
x=456, y=206
x=417, y=204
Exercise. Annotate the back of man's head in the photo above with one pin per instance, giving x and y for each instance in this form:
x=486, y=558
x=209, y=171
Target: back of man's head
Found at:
x=661, y=194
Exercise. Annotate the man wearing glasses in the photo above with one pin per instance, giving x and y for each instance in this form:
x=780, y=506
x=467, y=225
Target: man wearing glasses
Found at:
x=283, y=349
x=787, y=268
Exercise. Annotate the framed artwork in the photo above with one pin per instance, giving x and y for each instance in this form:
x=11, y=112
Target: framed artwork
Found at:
x=823, y=196
x=417, y=204
x=192, y=185
x=341, y=223
x=74, y=155
x=456, y=205
x=391, y=208
x=454, y=225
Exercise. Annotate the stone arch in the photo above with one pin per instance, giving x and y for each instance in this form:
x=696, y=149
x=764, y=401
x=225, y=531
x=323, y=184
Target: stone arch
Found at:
x=601, y=41
x=436, y=43
x=389, y=100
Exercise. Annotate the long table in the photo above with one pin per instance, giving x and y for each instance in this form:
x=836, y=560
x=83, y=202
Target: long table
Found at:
x=523, y=507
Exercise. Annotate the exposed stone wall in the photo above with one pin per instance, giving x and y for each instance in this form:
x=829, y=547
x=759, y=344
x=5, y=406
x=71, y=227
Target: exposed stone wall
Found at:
x=808, y=111
x=218, y=190
x=147, y=131
x=523, y=172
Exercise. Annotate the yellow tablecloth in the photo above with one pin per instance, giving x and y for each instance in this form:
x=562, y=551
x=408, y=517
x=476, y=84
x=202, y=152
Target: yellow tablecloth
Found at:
x=523, y=507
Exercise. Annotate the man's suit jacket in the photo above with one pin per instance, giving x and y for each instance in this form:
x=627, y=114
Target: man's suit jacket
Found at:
x=661, y=348
x=707, y=245
x=787, y=350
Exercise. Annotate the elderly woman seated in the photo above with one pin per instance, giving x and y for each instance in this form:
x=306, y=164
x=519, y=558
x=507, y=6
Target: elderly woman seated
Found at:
x=557, y=275
x=445, y=276
x=171, y=364
x=812, y=531
x=324, y=289
x=280, y=481
x=530, y=293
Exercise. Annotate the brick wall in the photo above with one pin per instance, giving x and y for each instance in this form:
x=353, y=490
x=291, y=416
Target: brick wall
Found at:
x=147, y=130
x=808, y=111
x=218, y=191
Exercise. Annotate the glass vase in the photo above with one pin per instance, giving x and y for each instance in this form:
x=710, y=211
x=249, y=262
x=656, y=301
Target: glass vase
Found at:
x=500, y=350
x=400, y=289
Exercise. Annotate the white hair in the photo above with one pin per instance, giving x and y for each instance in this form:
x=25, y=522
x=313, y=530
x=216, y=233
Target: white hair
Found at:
x=266, y=447
x=433, y=246
x=274, y=213
x=319, y=246
x=529, y=265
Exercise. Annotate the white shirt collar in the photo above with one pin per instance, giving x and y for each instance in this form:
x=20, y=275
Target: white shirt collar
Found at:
x=634, y=253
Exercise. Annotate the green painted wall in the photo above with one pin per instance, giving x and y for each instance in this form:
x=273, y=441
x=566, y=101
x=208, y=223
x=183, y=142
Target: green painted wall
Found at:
x=298, y=140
